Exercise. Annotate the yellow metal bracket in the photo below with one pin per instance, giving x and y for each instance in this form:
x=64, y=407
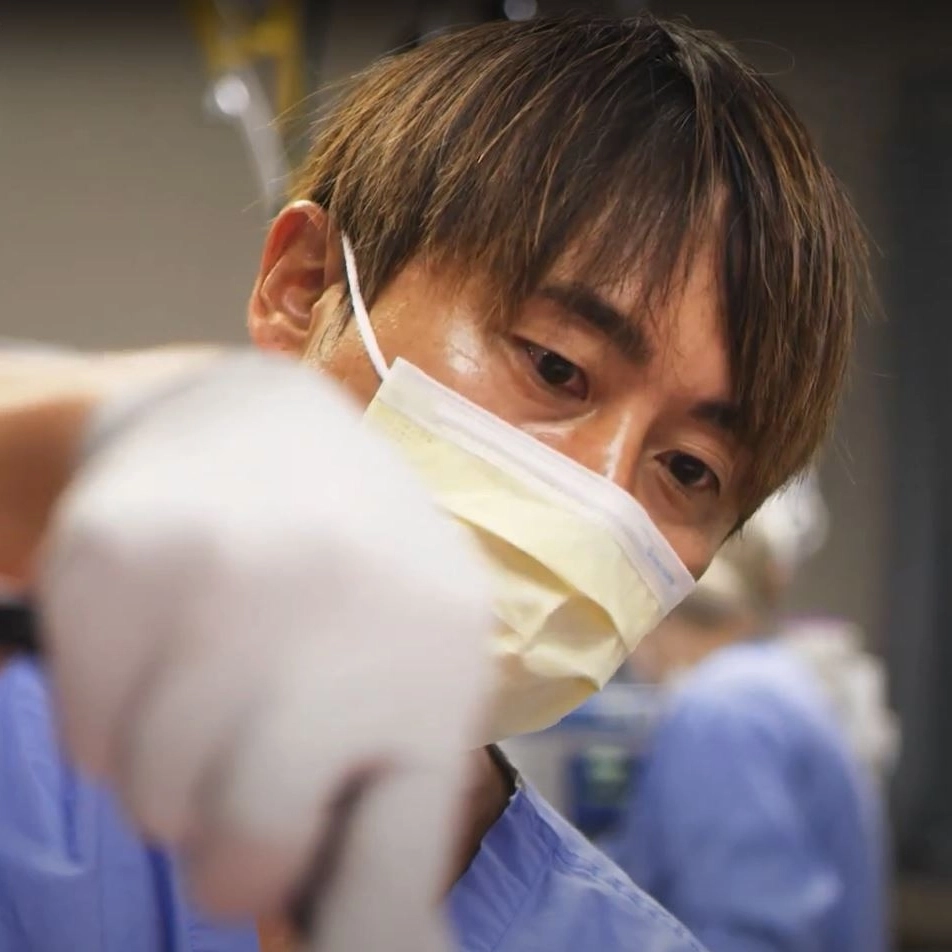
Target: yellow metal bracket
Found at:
x=232, y=42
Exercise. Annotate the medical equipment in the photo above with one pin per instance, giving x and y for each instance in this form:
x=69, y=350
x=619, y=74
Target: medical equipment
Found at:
x=587, y=764
x=238, y=37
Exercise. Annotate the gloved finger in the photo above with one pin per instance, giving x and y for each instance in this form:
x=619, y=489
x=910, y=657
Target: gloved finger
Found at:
x=264, y=796
x=384, y=893
x=186, y=717
x=101, y=646
x=186, y=724
x=225, y=872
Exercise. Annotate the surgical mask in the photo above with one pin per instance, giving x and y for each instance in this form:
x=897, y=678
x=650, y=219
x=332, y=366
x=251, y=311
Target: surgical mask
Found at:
x=580, y=573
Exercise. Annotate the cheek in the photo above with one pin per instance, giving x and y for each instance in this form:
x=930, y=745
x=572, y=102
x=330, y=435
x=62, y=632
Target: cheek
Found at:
x=449, y=347
x=456, y=351
x=695, y=548
x=343, y=357
x=462, y=355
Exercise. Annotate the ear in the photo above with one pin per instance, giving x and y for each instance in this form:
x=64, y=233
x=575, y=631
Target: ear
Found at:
x=301, y=261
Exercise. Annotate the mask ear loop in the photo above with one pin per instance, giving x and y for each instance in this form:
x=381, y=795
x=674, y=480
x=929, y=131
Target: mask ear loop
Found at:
x=364, y=327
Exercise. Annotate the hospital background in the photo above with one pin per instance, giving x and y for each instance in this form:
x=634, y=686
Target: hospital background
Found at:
x=140, y=158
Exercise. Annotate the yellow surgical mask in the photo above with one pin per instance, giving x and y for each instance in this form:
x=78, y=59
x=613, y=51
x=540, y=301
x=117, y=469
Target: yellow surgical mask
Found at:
x=580, y=572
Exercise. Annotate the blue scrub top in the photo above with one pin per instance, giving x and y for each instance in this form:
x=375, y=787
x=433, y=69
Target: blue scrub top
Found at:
x=751, y=821
x=73, y=876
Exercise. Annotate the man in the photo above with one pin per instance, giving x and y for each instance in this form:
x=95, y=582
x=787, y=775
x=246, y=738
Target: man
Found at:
x=784, y=850
x=592, y=279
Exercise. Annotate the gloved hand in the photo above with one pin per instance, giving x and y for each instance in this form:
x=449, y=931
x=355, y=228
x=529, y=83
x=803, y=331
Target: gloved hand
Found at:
x=247, y=604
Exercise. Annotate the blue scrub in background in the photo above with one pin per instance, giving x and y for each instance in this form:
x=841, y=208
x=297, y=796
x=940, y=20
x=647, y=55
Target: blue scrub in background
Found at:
x=751, y=821
x=74, y=878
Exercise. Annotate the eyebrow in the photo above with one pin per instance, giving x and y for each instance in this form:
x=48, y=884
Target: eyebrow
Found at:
x=720, y=413
x=626, y=334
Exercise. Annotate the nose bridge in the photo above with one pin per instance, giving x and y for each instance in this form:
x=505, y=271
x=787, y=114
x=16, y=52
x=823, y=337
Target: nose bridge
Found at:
x=610, y=443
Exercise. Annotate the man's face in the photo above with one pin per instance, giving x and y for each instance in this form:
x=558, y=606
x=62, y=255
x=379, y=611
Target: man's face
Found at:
x=645, y=403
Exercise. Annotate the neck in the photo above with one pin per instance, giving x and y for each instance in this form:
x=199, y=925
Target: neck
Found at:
x=490, y=789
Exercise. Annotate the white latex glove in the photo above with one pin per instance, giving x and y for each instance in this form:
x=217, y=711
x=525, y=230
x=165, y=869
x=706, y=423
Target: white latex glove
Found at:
x=247, y=600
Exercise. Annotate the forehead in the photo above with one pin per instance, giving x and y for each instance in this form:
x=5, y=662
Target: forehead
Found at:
x=692, y=328
x=676, y=327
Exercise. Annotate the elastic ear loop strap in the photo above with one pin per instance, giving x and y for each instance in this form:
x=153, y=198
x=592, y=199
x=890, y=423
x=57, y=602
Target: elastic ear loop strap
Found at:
x=360, y=312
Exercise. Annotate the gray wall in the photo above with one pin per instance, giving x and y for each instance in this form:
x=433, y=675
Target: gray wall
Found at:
x=128, y=216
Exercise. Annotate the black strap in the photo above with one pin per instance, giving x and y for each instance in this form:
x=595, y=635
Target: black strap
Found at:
x=18, y=628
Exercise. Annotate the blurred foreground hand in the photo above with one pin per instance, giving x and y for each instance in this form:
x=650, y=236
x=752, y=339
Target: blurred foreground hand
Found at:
x=262, y=634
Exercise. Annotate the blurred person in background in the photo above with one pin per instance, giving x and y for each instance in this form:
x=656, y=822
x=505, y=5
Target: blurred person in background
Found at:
x=756, y=815
x=854, y=682
x=592, y=279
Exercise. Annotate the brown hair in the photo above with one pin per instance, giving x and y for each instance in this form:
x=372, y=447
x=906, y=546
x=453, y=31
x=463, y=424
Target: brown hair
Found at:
x=503, y=147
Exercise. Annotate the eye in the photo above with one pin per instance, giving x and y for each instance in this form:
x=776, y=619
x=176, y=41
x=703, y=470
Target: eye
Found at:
x=557, y=372
x=692, y=473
